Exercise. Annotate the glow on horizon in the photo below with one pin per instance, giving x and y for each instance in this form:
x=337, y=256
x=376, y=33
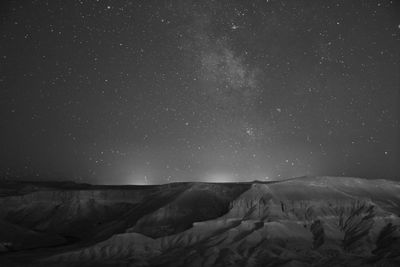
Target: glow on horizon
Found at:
x=220, y=177
x=138, y=179
x=227, y=177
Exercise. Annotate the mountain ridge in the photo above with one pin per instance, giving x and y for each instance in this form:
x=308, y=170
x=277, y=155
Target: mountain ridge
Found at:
x=291, y=221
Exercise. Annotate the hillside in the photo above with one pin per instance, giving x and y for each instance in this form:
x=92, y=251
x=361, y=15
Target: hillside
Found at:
x=307, y=221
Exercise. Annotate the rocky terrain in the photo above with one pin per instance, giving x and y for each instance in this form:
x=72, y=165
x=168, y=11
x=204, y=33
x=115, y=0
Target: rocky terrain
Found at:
x=307, y=221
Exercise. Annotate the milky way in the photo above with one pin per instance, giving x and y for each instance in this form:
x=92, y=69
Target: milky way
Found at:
x=139, y=92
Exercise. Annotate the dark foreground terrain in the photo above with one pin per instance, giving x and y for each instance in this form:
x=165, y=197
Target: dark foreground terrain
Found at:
x=308, y=221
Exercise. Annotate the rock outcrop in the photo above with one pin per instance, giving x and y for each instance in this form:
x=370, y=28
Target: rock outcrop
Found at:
x=309, y=221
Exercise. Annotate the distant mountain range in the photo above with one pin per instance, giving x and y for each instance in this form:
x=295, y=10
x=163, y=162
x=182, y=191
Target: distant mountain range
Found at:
x=306, y=221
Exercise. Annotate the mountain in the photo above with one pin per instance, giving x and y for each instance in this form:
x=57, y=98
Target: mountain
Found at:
x=306, y=221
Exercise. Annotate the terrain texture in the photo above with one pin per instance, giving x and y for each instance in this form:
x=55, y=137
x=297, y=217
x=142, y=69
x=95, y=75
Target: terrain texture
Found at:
x=307, y=221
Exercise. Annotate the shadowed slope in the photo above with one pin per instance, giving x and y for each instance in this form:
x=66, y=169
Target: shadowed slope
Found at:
x=323, y=221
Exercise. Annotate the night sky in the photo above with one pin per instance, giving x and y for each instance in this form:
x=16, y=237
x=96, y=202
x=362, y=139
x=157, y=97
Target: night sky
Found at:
x=144, y=92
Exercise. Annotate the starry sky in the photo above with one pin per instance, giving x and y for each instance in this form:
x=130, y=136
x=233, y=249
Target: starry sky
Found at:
x=145, y=92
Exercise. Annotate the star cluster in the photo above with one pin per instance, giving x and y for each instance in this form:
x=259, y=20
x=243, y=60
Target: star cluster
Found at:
x=121, y=92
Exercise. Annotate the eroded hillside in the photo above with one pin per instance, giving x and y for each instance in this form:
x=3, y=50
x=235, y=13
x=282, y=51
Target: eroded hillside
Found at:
x=308, y=221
